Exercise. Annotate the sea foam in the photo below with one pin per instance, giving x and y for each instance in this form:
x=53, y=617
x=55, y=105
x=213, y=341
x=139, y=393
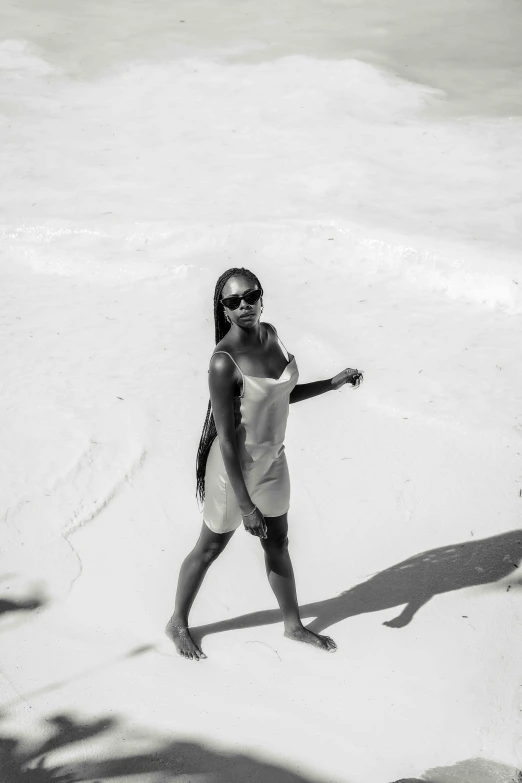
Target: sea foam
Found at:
x=156, y=166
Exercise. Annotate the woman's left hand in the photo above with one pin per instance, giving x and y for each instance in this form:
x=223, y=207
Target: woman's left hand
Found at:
x=354, y=377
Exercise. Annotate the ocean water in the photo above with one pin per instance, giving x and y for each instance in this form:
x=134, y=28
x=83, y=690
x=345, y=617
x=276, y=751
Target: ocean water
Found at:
x=142, y=139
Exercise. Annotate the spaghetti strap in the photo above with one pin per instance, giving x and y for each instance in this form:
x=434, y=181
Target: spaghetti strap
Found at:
x=285, y=352
x=238, y=367
x=231, y=357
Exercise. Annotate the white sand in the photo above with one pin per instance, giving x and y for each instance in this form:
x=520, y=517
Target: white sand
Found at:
x=125, y=197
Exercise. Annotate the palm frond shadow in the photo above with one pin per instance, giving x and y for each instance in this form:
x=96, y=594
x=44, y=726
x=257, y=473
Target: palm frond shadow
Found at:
x=409, y=584
x=167, y=760
x=21, y=766
x=12, y=601
x=6, y=605
x=477, y=770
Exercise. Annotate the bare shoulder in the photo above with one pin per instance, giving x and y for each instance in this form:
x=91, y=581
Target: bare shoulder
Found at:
x=223, y=372
x=221, y=363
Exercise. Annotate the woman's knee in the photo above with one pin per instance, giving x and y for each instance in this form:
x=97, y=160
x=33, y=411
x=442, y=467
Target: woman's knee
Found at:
x=208, y=554
x=210, y=545
x=212, y=550
x=277, y=542
x=208, y=551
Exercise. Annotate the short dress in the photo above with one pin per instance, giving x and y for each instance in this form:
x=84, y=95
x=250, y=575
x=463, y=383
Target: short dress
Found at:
x=260, y=433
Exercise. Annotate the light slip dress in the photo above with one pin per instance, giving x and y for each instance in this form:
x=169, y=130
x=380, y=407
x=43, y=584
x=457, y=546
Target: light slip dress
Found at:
x=260, y=433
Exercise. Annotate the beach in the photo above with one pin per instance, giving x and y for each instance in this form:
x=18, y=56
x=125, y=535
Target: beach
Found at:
x=143, y=154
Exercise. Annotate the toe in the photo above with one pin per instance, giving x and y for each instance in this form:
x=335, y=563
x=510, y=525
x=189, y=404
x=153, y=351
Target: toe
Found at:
x=328, y=643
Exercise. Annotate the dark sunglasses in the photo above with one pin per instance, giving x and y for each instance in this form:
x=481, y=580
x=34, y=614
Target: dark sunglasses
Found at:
x=250, y=297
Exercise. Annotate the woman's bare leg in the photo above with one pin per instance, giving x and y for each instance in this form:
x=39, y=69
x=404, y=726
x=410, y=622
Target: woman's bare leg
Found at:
x=192, y=572
x=281, y=578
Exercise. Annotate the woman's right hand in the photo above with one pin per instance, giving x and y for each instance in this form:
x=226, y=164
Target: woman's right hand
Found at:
x=255, y=523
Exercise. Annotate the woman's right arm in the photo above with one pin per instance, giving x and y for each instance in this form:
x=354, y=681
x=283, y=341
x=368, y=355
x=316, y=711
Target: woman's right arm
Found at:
x=222, y=379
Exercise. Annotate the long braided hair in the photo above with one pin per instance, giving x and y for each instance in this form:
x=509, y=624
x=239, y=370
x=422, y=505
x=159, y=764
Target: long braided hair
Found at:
x=221, y=328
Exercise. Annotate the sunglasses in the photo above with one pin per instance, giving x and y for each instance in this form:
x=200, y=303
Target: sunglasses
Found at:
x=250, y=297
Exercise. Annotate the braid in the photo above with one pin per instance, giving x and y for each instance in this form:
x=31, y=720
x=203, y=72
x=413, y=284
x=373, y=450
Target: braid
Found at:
x=221, y=328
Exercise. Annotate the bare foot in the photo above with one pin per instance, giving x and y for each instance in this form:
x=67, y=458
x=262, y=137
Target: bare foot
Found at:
x=309, y=637
x=184, y=642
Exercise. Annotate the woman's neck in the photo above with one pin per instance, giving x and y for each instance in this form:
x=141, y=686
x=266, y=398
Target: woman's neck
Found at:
x=247, y=336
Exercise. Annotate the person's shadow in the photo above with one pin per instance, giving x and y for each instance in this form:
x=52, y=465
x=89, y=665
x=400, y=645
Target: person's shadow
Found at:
x=409, y=584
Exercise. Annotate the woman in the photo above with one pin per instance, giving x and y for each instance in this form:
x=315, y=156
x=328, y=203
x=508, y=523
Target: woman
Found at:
x=242, y=475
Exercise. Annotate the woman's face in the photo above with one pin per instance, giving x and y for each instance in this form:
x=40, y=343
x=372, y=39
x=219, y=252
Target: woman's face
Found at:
x=246, y=315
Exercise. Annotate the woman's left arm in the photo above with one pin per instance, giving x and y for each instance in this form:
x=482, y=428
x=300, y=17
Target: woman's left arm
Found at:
x=303, y=391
